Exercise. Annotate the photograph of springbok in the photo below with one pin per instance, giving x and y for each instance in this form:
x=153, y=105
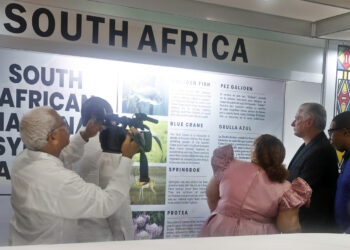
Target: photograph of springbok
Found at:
x=151, y=192
x=145, y=185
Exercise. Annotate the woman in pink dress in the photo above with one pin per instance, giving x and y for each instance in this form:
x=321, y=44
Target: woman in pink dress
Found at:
x=253, y=198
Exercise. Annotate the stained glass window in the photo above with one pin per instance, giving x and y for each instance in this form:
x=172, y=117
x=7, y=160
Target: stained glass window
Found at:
x=342, y=96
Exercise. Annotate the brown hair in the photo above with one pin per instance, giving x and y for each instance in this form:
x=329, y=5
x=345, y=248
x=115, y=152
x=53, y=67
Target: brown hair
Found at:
x=269, y=153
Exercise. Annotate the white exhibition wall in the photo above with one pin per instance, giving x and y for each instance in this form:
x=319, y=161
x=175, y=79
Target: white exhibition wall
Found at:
x=302, y=73
x=295, y=94
x=197, y=112
x=5, y=216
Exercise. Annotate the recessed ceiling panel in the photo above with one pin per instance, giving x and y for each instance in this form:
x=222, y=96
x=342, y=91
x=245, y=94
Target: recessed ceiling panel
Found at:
x=296, y=9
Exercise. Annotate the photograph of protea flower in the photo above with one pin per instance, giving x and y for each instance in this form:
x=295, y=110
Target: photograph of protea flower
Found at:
x=148, y=225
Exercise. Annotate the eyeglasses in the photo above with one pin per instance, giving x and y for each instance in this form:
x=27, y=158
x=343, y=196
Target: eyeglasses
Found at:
x=331, y=130
x=64, y=123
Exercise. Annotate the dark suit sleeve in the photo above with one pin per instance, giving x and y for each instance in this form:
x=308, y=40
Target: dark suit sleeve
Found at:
x=321, y=173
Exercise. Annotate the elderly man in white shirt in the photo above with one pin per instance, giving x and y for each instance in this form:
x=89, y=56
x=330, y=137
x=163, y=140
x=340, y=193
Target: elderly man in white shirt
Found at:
x=48, y=198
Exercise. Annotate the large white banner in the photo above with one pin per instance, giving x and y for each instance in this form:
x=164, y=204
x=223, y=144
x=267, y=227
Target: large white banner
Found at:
x=197, y=112
x=50, y=24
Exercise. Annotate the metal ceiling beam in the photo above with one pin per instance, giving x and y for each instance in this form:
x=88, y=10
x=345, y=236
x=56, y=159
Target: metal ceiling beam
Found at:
x=332, y=25
x=334, y=3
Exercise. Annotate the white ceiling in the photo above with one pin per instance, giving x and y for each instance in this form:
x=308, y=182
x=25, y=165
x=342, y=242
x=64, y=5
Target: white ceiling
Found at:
x=328, y=19
x=297, y=9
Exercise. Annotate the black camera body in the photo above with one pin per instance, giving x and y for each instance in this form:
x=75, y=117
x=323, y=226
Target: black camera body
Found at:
x=114, y=133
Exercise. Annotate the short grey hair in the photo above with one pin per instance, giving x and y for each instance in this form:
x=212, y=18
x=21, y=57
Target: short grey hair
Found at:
x=35, y=126
x=317, y=112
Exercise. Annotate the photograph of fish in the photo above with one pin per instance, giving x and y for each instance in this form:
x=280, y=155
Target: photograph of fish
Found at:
x=158, y=153
x=151, y=192
x=145, y=94
x=148, y=225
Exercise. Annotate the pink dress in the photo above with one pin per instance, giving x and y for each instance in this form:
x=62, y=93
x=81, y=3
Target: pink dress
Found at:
x=249, y=202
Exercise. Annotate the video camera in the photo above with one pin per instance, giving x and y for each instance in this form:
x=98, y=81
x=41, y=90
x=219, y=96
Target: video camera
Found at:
x=114, y=133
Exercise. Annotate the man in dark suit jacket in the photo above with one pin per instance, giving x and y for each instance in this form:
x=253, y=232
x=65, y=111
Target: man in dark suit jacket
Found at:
x=315, y=162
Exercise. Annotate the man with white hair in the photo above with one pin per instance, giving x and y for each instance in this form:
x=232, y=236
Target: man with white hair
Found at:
x=48, y=198
x=315, y=162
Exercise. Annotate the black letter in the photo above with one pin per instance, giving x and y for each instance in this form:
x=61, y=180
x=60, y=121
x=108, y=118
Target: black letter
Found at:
x=215, y=47
x=13, y=123
x=50, y=21
x=184, y=43
x=123, y=33
x=72, y=103
x=78, y=79
x=13, y=68
x=34, y=98
x=2, y=147
x=45, y=98
x=2, y=121
x=152, y=42
x=71, y=125
x=20, y=20
x=205, y=45
x=64, y=27
x=52, y=102
x=61, y=72
x=6, y=98
x=43, y=76
x=15, y=145
x=95, y=21
x=166, y=40
x=243, y=54
x=4, y=171
x=26, y=74
x=19, y=97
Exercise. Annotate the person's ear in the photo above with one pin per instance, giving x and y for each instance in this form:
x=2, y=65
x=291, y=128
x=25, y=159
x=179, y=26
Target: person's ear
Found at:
x=346, y=132
x=52, y=138
x=309, y=122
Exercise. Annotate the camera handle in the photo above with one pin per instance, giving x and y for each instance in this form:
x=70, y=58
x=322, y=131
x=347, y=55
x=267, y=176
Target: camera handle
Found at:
x=143, y=168
x=143, y=158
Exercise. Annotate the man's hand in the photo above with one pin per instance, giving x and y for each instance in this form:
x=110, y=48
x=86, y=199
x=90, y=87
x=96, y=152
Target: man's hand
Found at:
x=92, y=128
x=130, y=147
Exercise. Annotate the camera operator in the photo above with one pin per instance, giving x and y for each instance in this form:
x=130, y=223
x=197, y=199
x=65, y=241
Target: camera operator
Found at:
x=92, y=169
x=47, y=198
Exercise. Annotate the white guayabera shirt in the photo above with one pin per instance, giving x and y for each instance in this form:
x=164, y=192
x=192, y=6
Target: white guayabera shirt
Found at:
x=47, y=198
